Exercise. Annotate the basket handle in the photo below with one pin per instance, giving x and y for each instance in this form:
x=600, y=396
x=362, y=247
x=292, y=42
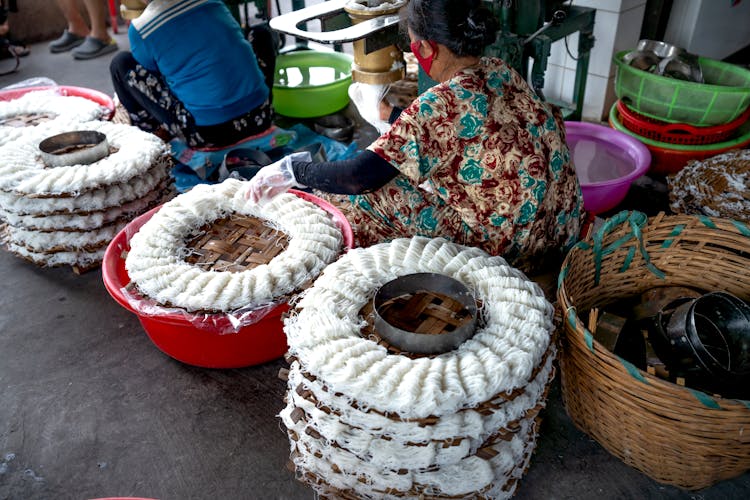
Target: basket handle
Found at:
x=682, y=129
x=636, y=221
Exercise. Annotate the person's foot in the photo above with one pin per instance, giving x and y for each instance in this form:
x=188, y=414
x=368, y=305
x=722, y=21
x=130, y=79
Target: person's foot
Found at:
x=93, y=47
x=65, y=42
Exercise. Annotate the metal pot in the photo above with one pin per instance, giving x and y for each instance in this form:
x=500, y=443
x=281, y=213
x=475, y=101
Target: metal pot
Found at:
x=245, y=162
x=336, y=126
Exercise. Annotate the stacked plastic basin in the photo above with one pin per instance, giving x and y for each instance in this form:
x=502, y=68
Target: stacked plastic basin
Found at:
x=681, y=120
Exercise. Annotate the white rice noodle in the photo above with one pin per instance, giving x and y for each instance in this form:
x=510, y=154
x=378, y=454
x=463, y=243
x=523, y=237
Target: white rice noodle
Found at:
x=83, y=259
x=23, y=172
x=86, y=222
x=90, y=201
x=156, y=262
x=513, y=335
x=64, y=109
x=469, y=477
x=354, y=429
x=72, y=241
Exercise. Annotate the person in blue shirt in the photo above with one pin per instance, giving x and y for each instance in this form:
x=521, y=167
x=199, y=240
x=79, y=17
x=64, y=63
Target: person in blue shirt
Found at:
x=192, y=72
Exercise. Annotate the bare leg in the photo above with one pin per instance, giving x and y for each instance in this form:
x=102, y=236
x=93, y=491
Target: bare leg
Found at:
x=98, y=11
x=76, y=24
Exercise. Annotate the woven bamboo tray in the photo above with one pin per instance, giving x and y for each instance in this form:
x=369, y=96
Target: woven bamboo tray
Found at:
x=430, y=313
x=236, y=243
x=121, y=114
x=674, y=434
x=30, y=119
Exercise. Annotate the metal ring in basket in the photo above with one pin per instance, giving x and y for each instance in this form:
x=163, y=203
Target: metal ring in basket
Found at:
x=674, y=434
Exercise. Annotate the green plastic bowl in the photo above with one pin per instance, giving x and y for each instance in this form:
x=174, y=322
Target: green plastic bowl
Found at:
x=722, y=99
x=311, y=83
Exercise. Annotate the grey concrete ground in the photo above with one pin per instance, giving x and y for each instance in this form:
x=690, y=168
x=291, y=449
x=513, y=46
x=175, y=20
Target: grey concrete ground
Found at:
x=90, y=408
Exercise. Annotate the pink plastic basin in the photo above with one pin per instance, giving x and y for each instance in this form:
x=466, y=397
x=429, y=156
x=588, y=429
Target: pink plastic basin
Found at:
x=94, y=95
x=606, y=161
x=198, y=339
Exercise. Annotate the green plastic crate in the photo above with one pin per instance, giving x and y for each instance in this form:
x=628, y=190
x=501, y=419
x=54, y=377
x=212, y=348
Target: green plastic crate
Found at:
x=724, y=96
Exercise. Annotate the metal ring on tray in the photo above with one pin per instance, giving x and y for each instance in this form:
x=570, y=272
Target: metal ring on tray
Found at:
x=80, y=147
x=425, y=313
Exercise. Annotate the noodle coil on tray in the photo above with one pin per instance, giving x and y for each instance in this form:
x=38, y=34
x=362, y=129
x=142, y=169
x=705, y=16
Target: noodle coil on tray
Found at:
x=157, y=261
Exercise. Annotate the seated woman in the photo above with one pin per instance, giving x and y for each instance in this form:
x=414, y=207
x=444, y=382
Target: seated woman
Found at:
x=192, y=71
x=478, y=158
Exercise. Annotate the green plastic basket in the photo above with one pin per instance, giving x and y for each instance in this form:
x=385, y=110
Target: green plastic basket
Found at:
x=311, y=83
x=722, y=99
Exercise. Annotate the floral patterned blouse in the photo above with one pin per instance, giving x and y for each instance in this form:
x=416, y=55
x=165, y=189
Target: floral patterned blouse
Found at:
x=483, y=162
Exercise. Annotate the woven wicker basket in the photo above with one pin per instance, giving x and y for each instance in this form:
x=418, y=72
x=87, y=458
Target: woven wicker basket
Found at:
x=674, y=434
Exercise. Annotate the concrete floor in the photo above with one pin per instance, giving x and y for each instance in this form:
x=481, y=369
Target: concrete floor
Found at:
x=90, y=408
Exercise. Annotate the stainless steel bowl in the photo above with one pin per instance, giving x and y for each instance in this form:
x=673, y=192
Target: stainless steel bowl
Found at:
x=336, y=126
x=425, y=343
x=660, y=49
x=665, y=59
x=682, y=67
x=641, y=59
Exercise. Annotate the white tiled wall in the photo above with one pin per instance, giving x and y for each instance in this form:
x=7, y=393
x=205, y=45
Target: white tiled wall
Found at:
x=617, y=27
x=709, y=28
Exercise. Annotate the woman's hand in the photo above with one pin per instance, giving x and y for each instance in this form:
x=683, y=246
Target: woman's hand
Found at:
x=275, y=179
x=385, y=109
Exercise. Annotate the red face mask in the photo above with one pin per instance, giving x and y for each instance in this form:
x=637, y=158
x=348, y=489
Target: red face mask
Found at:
x=425, y=62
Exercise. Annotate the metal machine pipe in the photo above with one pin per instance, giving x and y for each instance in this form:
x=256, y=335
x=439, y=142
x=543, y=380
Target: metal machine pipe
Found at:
x=381, y=66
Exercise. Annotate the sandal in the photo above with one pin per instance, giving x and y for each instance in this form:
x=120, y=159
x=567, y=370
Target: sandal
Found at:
x=6, y=52
x=20, y=50
x=93, y=47
x=65, y=42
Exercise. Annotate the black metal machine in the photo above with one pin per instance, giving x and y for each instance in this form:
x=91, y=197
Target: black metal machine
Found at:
x=528, y=28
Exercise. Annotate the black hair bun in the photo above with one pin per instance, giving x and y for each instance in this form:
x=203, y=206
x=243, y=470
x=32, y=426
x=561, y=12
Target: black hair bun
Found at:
x=478, y=31
x=466, y=27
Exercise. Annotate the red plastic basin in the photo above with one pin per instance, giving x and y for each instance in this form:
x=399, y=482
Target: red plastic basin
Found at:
x=669, y=159
x=94, y=95
x=606, y=161
x=196, y=339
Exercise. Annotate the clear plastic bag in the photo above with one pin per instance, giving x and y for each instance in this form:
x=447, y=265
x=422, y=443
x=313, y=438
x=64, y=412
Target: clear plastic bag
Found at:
x=38, y=81
x=366, y=97
x=221, y=323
